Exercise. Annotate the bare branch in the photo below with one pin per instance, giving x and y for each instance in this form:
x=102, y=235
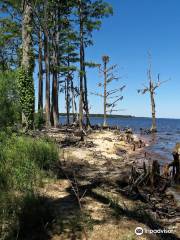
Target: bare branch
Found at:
x=159, y=83
x=115, y=90
x=111, y=68
x=143, y=91
x=97, y=94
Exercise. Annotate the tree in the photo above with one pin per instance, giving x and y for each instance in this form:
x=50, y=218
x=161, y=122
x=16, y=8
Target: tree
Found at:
x=25, y=73
x=55, y=34
x=47, y=62
x=111, y=97
x=55, y=62
x=10, y=110
x=40, y=71
x=151, y=89
x=89, y=19
x=10, y=35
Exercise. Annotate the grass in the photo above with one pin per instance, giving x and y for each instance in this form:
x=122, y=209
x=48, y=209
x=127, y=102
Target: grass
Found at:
x=24, y=161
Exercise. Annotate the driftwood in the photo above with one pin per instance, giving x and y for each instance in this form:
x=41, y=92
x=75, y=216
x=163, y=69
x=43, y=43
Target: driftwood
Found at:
x=149, y=186
x=148, y=177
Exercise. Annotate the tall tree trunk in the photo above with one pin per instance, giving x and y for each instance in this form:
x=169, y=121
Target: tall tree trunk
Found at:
x=81, y=88
x=67, y=90
x=27, y=66
x=86, y=104
x=40, y=74
x=68, y=99
x=55, y=111
x=47, y=67
x=55, y=87
x=74, y=109
x=68, y=102
x=151, y=90
x=153, y=128
x=105, y=94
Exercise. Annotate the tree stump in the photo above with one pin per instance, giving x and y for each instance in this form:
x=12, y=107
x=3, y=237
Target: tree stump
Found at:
x=176, y=163
x=155, y=173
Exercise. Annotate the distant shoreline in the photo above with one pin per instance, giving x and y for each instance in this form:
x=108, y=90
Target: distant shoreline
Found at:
x=99, y=115
x=102, y=115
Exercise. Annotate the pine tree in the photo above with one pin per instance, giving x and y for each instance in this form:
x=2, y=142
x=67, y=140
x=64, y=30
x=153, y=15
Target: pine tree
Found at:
x=89, y=18
x=10, y=35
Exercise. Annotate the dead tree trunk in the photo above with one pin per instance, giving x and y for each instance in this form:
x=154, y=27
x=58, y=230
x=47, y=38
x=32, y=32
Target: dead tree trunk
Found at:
x=153, y=107
x=74, y=108
x=155, y=173
x=151, y=89
x=105, y=61
x=176, y=163
x=110, y=97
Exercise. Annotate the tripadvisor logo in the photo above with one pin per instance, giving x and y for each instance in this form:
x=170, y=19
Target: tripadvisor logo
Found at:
x=139, y=231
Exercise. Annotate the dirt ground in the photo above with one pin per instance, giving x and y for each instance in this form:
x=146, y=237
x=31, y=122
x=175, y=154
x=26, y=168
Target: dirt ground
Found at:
x=99, y=166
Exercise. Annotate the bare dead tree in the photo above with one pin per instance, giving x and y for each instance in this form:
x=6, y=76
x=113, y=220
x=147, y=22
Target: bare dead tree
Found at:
x=151, y=88
x=111, y=96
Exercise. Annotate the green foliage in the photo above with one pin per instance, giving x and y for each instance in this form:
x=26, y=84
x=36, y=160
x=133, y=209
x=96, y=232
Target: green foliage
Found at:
x=9, y=102
x=22, y=160
x=26, y=94
x=92, y=13
x=10, y=36
x=39, y=120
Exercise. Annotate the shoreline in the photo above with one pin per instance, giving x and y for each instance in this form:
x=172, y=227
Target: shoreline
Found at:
x=104, y=160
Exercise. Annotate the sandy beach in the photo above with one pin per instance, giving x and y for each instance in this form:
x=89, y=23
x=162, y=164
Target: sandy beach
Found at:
x=101, y=165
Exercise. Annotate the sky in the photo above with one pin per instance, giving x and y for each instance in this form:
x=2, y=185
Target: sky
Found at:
x=139, y=26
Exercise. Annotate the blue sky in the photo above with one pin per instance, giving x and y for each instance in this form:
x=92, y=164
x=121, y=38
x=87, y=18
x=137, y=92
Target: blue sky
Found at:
x=136, y=27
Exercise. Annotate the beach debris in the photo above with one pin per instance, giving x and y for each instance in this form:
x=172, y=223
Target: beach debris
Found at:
x=175, y=164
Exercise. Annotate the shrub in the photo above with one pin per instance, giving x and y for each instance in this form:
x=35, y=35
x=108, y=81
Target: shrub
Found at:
x=22, y=160
x=10, y=112
x=39, y=120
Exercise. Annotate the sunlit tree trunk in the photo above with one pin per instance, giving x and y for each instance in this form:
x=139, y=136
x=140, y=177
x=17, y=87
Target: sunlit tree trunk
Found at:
x=55, y=109
x=40, y=73
x=74, y=108
x=27, y=66
x=153, y=128
x=68, y=96
x=81, y=89
x=86, y=104
x=105, y=61
x=47, y=67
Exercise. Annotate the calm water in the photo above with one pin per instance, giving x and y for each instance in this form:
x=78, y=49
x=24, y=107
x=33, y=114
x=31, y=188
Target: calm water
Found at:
x=162, y=142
